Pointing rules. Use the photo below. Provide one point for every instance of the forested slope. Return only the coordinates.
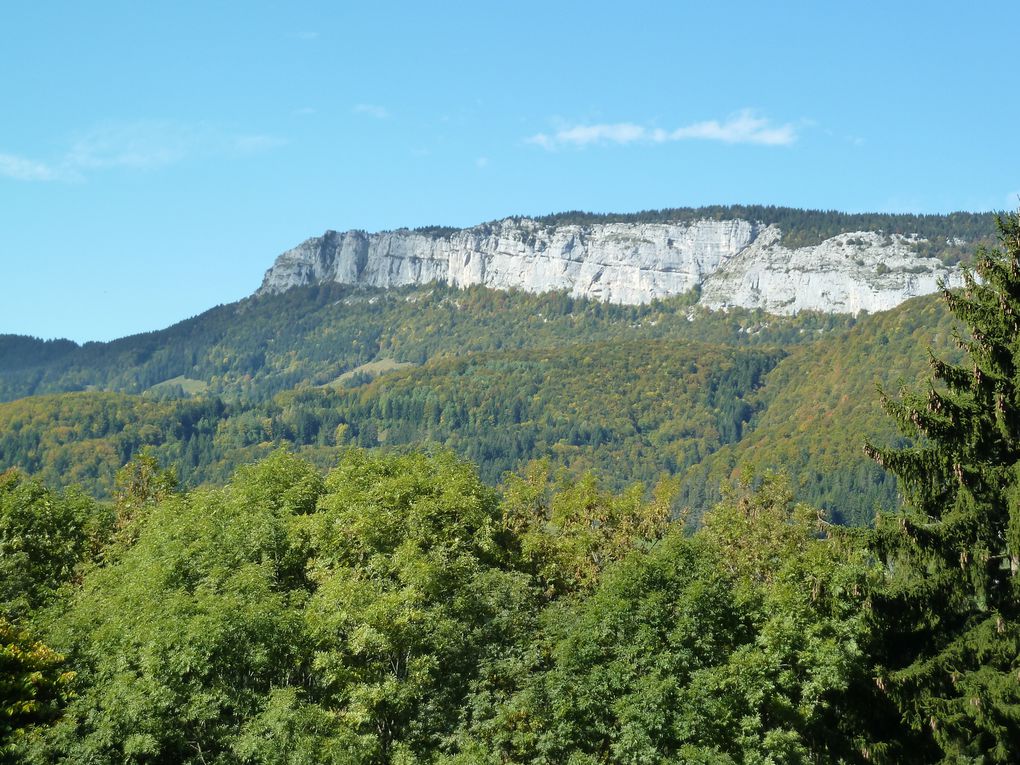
(250, 350)
(820, 403)
(638, 401)
(631, 409)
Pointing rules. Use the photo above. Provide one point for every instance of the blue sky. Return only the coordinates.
(155, 158)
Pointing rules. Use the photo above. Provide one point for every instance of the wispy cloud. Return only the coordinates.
(743, 127)
(136, 145)
(140, 145)
(22, 169)
(372, 110)
(482, 162)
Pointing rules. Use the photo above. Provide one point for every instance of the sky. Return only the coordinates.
(156, 157)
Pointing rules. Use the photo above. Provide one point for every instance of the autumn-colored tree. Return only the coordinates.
(33, 684)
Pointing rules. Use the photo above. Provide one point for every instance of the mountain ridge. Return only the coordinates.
(821, 261)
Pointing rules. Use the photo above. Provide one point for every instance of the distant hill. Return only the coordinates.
(251, 350)
(627, 393)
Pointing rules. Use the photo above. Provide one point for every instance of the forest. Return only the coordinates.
(400, 609)
(633, 394)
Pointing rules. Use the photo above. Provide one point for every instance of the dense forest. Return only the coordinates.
(630, 394)
(251, 350)
(399, 609)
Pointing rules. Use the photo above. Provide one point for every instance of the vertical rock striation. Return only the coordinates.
(733, 262)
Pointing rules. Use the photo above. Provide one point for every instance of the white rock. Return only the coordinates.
(734, 262)
(845, 274)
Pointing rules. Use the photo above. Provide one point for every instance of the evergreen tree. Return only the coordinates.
(948, 607)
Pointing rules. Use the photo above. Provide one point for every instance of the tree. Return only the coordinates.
(180, 638)
(568, 530)
(411, 595)
(948, 608)
(32, 687)
(139, 486)
(732, 645)
(45, 538)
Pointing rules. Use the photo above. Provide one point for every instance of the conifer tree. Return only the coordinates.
(948, 607)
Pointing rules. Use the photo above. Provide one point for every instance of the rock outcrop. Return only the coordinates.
(732, 262)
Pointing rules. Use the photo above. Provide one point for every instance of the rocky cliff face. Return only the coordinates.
(733, 262)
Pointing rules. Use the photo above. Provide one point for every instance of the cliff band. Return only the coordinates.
(732, 263)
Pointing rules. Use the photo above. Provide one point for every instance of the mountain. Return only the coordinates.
(503, 376)
(258, 347)
(729, 260)
(506, 376)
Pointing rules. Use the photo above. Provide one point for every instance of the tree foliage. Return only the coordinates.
(950, 606)
(33, 686)
(401, 611)
(626, 408)
(704, 649)
(45, 540)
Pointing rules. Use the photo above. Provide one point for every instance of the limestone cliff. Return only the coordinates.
(733, 263)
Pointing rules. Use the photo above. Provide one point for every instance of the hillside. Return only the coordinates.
(624, 391)
(506, 376)
(251, 350)
(820, 403)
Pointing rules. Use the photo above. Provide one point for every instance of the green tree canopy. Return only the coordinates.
(735, 645)
(45, 538)
(950, 607)
(33, 685)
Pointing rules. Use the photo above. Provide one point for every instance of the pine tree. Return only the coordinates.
(947, 609)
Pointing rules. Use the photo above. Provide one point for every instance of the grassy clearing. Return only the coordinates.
(191, 386)
(373, 368)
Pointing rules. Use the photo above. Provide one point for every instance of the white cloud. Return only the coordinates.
(21, 169)
(743, 127)
(372, 110)
(582, 135)
(141, 145)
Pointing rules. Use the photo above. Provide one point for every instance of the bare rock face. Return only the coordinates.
(845, 274)
(733, 262)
